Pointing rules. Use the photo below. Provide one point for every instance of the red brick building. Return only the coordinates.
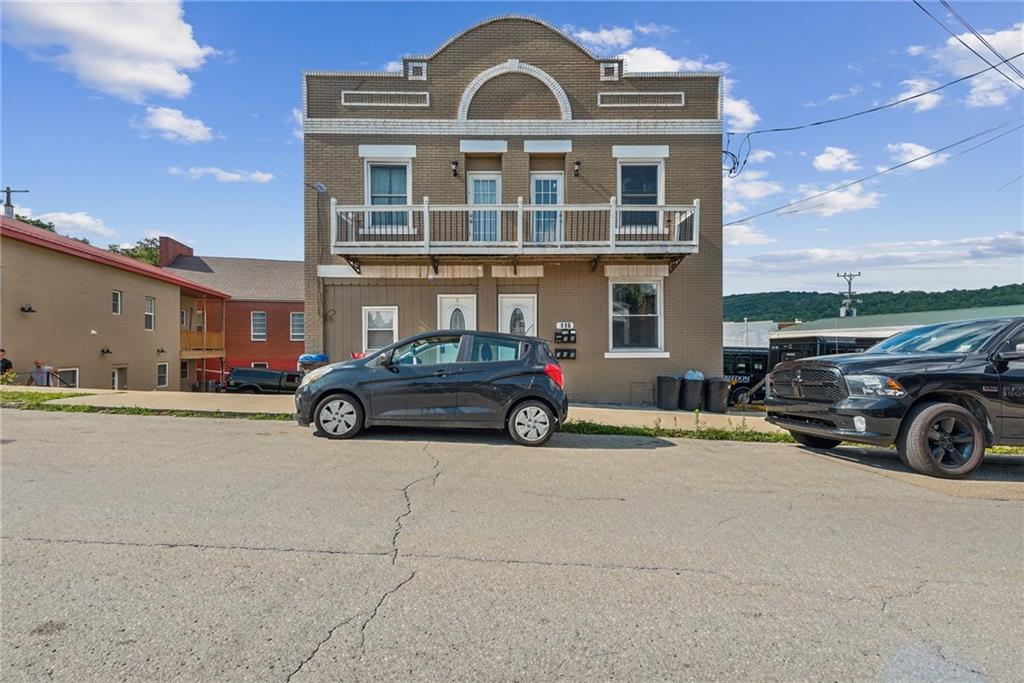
(264, 322)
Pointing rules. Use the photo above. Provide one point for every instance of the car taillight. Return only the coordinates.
(554, 371)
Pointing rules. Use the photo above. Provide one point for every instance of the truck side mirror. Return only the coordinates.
(1007, 356)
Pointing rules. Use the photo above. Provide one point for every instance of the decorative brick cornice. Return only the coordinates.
(492, 128)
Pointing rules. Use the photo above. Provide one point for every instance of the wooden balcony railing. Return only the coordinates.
(515, 228)
(199, 341)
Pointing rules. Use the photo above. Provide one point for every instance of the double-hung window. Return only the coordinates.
(640, 183)
(258, 326)
(636, 317)
(297, 328)
(161, 375)
(116, 298)
(149, 317)
(380, 327)
(388, 184)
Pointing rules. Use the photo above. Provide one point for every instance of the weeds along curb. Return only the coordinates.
(51, 408)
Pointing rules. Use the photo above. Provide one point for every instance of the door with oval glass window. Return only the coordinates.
(517, 314)
(456, 311)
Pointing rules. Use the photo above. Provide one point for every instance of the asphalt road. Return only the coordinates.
(153, 548)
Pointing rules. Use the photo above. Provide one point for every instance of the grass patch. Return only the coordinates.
(33, 397)
(704, 433)
(60, 408)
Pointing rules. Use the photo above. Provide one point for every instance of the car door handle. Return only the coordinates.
(441, 373)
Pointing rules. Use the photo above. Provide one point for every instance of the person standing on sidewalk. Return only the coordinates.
(42, 375)
(5, 362)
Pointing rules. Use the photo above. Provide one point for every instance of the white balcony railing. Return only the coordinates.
(515, 228)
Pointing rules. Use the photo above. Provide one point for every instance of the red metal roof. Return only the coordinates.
(30, 234)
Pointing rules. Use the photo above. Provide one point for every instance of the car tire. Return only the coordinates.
(338, 416)
(531, 423)
(812, 441)
(942, 440)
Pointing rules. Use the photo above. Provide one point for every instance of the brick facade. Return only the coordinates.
(571, 288)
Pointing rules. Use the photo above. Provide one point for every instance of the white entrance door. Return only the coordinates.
(517, 314)
(456, 311)
(547, 188)
(484, 188)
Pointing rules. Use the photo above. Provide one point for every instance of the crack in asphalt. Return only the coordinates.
(376, 608)
(399, 522)
(330, 634)
(199, 546)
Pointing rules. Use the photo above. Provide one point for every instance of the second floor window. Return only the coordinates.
(115, 302)
(149, 318)
(298, 326)
(258, 326)
(639, 183)
(200, 320)
(388, 184)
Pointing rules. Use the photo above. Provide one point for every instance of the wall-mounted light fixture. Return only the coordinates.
(455, 168)
(105, 350)
(27, 308)
(576, 167)
(161, 350)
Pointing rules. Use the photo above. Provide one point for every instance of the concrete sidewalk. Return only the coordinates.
(617, 416)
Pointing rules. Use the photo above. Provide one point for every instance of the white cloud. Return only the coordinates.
(905, 151)
(836, 159)
(653, 29)
(854, 198)
(915, 50)
(733, 207)
(220, 175)
(71, 223)
(602, 38)
(853, 90)
(127, 49)
(750, 186)
(989, 89)
(914, 86)
(297, 121)
(760, 155)
(744, 236)
(172, 124)
(394, 66)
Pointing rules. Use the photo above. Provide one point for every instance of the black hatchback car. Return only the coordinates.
(448, 378)
(940, 393)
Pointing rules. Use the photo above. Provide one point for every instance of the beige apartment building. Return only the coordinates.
(513, 181)
(101, 320)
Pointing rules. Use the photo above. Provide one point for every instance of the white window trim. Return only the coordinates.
(640, 151)
(409, 74)
(78, 375)
(394, 326)
(291, 326)
(483, 146)
(551, 175)
(440, 306)
(167, 376)
(346, 103)
(146, 314)
(613, 77)
(259, 365)
(387, 152)
(368, 229)
(547, 146)
(266, 325)
(659, 352)
(680, 103)
(120, 302)
(483, 175)
(641, 229)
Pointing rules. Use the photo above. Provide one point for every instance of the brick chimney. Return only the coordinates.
(171, 249)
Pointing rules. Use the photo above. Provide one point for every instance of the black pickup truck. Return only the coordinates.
(262, 381)
(940, 393)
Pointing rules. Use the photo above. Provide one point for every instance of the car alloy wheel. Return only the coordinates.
(338, 417)
(950, 442)
(532, 423)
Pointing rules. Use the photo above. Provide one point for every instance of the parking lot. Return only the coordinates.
(153, 548)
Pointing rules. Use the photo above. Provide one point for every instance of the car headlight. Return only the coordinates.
(314, 375)
(874, 385)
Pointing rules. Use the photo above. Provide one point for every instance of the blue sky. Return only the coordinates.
(128, 121)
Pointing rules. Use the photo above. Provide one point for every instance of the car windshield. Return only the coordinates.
(960, 337)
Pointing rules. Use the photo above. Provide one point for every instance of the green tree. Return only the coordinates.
(146, 250)
(46, 225)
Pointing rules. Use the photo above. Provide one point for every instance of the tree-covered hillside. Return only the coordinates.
(786, 306)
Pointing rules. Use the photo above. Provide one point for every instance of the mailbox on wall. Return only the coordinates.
(565, 333)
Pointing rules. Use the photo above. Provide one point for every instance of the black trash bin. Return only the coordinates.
(716, 394)
(668, 392)
(692, 395)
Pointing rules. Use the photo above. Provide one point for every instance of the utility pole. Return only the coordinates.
(8, 205)
(848, 310)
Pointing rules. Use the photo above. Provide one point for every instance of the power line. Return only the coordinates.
(961, 41)
(984, 41)
(745, 145)
(891, 169)
(1003, 187)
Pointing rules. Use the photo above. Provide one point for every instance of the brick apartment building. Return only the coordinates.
(264, 321)
(495, 184)
(101, 320)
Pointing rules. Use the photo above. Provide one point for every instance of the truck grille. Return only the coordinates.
(819, 385)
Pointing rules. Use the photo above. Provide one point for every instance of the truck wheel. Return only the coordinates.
(741, 396)
(942, 440)
(815, 441)
(339, 417)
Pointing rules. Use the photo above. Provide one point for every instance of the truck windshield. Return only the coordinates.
(959, 337)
